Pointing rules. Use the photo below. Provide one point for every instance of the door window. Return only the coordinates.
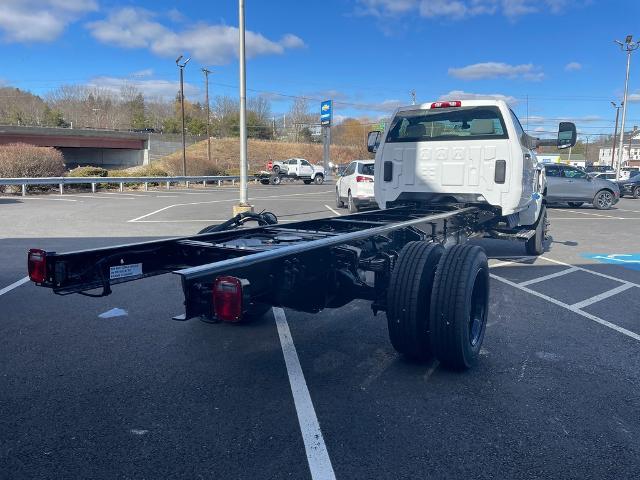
(350, 170)
(573, 173)
(304, 163)
(552, 171)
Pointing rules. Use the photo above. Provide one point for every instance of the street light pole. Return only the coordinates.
(629, 46)
(615, 133)
(184, 146)
(244, 191)
(206, 95)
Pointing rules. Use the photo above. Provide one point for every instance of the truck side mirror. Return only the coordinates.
(567, 135)
(373, 141)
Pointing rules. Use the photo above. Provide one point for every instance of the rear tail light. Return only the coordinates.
(37, 264)
(455, 103)
(360, 179)
(228, 299)
(269, 165)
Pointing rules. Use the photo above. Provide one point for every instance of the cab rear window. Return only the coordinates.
(441, 124)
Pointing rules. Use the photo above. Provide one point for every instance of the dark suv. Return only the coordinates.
(630, 186)
(567, 184)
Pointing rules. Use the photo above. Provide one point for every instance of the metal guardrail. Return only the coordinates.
(94, 181)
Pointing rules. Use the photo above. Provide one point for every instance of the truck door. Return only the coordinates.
(305, 169)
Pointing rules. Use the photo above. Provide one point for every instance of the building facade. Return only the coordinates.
(631, 151)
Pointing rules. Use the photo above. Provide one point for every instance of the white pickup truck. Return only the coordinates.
(297, 169)
(470, 152)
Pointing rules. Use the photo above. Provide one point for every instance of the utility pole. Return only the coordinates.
(615, 133)
(629, 46)
(184, 146)
(206, 96)
(413, 97)
(243, 206)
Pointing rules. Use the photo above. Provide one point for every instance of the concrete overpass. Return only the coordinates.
(101, 148)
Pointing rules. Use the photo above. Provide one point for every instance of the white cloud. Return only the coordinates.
(459, 9)
(212, 44)
(462, 95)
(147, 72)
(40, 20)
(573, 67)
(150, 88)
(480, 71)
(633, 97)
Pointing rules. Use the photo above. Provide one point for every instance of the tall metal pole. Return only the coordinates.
(629, 46)
(206, 96)
(184, 145)
(615, 133)
(244, 191)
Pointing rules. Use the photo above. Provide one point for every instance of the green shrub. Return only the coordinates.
(88, 172)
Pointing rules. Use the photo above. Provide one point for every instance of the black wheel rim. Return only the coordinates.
(478, 311)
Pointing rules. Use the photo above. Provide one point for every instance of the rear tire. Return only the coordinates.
(575, 204)
(603, 200)
(409, 299)
(636, 192)
(275, 180)
(459, 306)
(339, 202)
(535, 245)
(318, 180)
(276, 169)
(351, 204)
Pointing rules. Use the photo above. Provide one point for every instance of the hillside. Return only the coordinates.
(225, 155)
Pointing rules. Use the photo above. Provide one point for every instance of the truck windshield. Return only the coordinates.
(466, 123)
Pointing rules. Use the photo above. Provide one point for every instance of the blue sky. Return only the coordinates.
(365, 54)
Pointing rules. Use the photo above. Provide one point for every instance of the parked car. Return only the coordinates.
(630, 186)
(604, 175)
(567, 184)
(628, 172)
(355, 186)
(599, 169)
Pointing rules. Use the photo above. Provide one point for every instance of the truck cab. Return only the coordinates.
(466, 152)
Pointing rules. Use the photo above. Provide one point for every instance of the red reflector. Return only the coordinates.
(269, 165)
(364, 179)
(455, 103)
(227, 299)
(37, 264)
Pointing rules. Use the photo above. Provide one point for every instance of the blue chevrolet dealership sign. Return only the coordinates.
(326, 112)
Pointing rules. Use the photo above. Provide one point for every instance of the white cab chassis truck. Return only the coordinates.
(471, 152)
(445, 172)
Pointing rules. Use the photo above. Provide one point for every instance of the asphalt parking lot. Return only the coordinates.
(137, 395)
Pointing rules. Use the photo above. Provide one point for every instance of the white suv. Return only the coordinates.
(355, 186)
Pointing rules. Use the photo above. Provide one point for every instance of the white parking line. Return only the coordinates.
(548, 277)
(571, 308)
(100, 197)
(589, 213)
(39, 198)
(334, 211)
(133, 220)
(7, 289)
(315, 448)
(602, 296)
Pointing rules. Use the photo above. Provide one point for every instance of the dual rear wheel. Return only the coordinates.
(437, 303)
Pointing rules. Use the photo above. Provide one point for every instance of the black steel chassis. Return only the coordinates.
(306, 266)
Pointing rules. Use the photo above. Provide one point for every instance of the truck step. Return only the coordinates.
(520, 235)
